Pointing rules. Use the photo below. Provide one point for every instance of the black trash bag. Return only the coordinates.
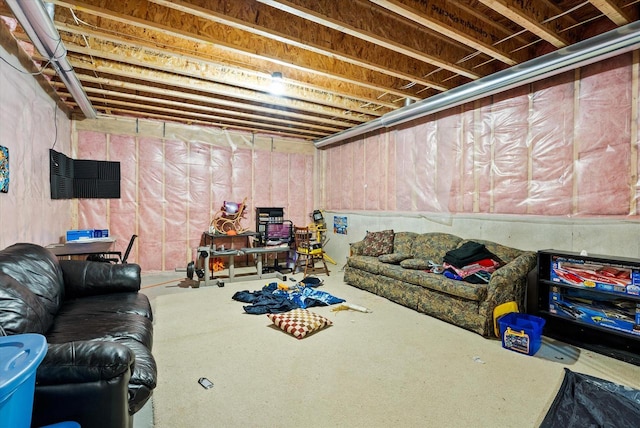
(586, 401)
(312, 281)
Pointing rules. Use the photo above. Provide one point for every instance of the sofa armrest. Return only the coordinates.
(84, 278)
(85, 361)
(356, 248)
(509, 282)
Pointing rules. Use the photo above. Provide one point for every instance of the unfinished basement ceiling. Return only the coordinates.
(343, 62)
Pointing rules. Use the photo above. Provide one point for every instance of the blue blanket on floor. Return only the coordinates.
(271, 300)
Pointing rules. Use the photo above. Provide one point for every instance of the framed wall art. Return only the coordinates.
(4, 169)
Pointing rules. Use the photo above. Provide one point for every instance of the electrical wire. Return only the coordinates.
(41, 71)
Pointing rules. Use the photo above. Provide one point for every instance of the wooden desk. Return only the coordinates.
(82, 248)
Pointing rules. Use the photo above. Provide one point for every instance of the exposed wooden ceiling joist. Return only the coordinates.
(209, 62)
(613, 11)
(534, 17)
(227, 76)
(266, 22)
(362, 21)
(455, 23)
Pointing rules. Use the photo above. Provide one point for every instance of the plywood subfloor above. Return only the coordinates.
(210, 62)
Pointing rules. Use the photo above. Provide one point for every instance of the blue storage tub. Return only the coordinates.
(521, 332)
(20, 356)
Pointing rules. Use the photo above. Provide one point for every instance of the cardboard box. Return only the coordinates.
(100, 233)
(82, 234)
(77, 235)
(600, 276)
(597, 310)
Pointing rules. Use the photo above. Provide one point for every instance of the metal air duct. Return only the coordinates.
(38, 25)
(598, 48)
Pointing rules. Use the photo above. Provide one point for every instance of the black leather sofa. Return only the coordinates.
(98, 370)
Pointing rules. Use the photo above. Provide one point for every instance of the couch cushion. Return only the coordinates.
(377, 243)
(365, 263)
(401, 274)
(37, 269)
(403, 242)
(116, 303)
(466, 290)
(415, 263)
(20, 310)
(437, 282)
(434, 245)
(393, 258)
(74, 323)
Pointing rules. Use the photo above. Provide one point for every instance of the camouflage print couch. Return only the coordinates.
(395, 267)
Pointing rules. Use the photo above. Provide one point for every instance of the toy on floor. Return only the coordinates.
(350, 306)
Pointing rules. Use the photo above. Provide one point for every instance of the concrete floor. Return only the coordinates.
(154, 285)
(163, 283)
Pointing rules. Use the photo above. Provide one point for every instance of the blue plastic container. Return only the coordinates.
(521, 332)
(64, 425)
(20, 356)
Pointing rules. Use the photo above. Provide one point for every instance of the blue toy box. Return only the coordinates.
(521, 332)
(20, 356)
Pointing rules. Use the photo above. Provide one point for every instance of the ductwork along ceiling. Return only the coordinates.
(343, 63)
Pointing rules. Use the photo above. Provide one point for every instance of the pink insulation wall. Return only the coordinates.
(30, 125)
(564, 146)
(171, 187)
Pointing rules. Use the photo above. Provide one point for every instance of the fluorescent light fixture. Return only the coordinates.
(277, 84)
(38, 25)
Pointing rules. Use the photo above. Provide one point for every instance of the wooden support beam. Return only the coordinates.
(279, 26)
(531, 17)
(143, 100)
(153, 19)
(229, 77)
(454, 22)
(363, 21)
(197, 90)
(192, 121)
(612, 11)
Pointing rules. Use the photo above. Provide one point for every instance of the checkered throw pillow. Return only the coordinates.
(299, 322)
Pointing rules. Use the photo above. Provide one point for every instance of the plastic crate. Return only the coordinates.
(521, 332)
(20, 356)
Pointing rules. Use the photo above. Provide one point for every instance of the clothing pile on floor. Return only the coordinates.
(274, 298)
(471, 262)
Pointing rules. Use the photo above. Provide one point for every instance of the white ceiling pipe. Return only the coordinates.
(598, 48)
(38, 25)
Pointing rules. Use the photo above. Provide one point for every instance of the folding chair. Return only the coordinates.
(104, 257)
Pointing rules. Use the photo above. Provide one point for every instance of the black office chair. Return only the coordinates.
(105, 257)
(124, 258)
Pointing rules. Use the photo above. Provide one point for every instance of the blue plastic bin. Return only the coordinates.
(20, 356)
(521, 332)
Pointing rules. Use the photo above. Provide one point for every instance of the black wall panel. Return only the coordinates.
(79, 178)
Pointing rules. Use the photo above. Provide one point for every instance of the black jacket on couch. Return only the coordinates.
(98, 370)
